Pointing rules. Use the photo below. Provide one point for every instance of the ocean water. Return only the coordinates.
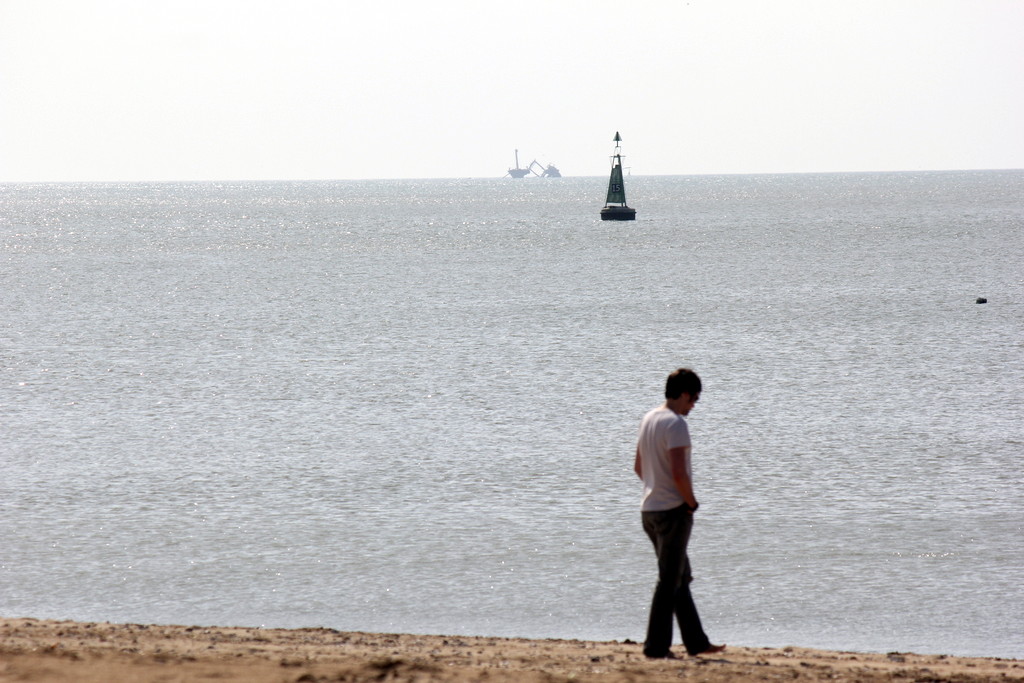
(411, 405)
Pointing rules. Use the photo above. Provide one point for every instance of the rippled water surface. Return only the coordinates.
(411, 405)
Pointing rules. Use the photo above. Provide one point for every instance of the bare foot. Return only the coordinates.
(712, 650)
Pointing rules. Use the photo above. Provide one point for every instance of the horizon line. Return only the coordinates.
(504, 177)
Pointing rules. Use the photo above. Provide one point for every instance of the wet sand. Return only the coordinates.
(39, 650)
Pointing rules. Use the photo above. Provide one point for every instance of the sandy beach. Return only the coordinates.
(39, 650)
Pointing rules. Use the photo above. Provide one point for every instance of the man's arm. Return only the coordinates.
(678, 457)
(638, 465)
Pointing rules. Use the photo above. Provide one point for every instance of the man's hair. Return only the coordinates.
(682, 381)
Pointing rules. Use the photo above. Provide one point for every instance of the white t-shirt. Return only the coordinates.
(661, 430)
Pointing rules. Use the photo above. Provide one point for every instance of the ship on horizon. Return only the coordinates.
(549, 171)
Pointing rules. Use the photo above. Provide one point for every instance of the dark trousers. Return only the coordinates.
(669, 531)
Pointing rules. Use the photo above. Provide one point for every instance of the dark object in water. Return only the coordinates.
(981, 300)
(615, 208)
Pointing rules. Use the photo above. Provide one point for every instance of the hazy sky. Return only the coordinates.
(309, 89)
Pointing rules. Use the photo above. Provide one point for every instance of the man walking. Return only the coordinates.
(663, 463)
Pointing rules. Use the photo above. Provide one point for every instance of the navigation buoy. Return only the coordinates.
(615, 208)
